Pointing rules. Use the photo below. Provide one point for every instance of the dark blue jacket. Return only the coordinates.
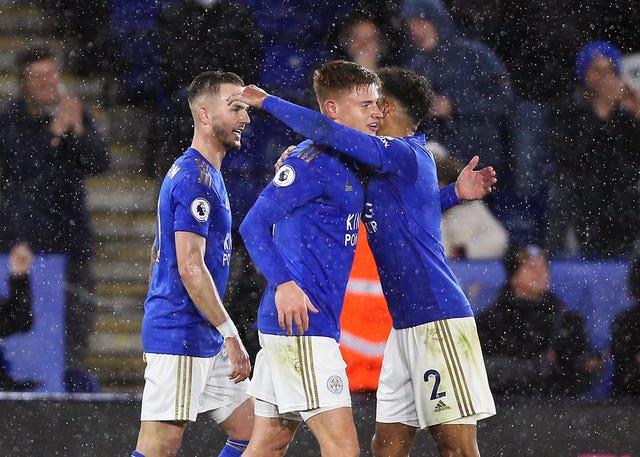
(476, 82)
(42, 194)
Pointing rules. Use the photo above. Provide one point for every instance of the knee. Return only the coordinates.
(378, 446)
(340, 449)
(390, 447)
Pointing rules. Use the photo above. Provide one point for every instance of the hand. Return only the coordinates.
(240, 364)
(68, 118)
(20, 259)
(630, 100)
(475, 184)
(293, 306)
(251, 95)
(287, 152)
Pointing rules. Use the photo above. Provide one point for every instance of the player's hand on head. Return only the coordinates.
(285, 154)
(239, 358)
(293, 307)
(474, 184)
(251, 95)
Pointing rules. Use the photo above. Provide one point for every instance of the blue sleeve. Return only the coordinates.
(296, 183)
(193, 205)
(448, 197)
(379, 152)
(256, 233)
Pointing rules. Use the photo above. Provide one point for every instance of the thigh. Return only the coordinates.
(300, 373)
(160, 438)
(335, 432)
(271, 437)
(455, 439)
(221, 395)
(395, 401)
(393, 440)
(239, 424)
(448, 373)
(173, 387)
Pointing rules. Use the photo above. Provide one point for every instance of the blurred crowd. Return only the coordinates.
(536, 89)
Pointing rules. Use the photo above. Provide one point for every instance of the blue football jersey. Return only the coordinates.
(315, 203)
(193, 199)
(403, 218)
(403, 215)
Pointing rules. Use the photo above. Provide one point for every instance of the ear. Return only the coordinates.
(202, 115)
(330, 109)
(387, 105)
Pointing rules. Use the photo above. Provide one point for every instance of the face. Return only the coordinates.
(363, 39)
(423, 33)
(532, 277)
(226, 122)
(358, 109)
(601, 72)
(41, 83)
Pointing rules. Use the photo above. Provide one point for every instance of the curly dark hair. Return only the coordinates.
(411, 90)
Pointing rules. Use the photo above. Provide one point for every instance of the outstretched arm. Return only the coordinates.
(366, 149)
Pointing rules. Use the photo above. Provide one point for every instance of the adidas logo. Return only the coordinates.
(441, 406)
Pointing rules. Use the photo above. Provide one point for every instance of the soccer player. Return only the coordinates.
(315, 202)
(195, 359)
(433, 374)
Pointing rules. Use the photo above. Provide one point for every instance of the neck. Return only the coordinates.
(210, 150)
(398, 130)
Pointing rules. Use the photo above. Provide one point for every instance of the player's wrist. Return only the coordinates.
(227, 329)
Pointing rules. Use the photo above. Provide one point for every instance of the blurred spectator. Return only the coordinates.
(625, 340)
(48, 144)
(469, 230)
(537, 41)
(361, 38)
(16, 310)
(533, 344)
(471, 84)
(596, 146)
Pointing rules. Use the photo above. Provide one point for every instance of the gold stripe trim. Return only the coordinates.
(448, 362)
(177, 394)
(313, 156)
(308, 150)
(464, 385)
(190, 383)
(303, 370)
(314, 381)
(184, 386)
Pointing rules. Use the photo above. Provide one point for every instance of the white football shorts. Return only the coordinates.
(179, 387)
(296, 377)
(434, 374)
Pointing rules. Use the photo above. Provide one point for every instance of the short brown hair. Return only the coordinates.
(209, 82)
(340, 76)
(31, 54)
